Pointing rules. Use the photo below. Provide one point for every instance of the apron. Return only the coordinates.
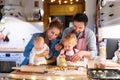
(67, 56)
(81, 44)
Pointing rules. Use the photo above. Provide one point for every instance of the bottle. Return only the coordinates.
(102, 54)
(62, 61)
(40, 17)
(102, 50)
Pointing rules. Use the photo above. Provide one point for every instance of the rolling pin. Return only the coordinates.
(26, 68)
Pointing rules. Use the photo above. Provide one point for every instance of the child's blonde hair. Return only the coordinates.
(70, 39)
(38, 39)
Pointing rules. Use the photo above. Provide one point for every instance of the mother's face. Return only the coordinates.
(53, 33)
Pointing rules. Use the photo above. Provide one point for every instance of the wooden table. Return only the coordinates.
(80, 74)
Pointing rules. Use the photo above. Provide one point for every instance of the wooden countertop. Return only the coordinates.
(79, 74)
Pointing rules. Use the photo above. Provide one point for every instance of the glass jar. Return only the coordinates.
(102, 50)
(62, 61)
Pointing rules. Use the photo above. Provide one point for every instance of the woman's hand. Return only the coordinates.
(51, 60)
(58, 47)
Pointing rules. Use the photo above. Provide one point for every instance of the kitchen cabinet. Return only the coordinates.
(33, 10)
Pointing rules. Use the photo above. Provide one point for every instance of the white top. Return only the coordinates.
(69, 53)
(40, 60)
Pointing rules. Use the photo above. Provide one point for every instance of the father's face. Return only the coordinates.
(78, 26)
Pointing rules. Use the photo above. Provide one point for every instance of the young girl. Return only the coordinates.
(41, 49)
(69, 42)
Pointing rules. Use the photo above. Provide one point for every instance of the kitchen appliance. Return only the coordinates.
(6, 66)
(9, 60)
(12, 56)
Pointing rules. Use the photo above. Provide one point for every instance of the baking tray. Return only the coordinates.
(103, 74)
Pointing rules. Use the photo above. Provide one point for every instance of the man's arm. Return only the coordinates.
(91, 44)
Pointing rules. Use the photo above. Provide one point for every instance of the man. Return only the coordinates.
(86, 38)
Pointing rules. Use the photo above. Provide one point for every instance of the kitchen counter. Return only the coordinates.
(15, 50)
(36, 76)
(51, 75)
(77, 74)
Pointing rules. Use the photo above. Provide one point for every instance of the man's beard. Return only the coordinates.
(77, 34)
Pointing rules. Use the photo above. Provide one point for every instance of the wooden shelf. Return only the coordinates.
(34, 21)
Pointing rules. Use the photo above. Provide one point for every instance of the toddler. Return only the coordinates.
(69, 42)
(39, 52)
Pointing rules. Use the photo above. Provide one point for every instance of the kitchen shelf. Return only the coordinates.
(34, 21)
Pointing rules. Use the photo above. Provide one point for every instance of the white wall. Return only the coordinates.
(19, 32)
(111, 24)
(91, 12)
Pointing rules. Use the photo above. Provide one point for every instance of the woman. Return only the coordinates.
(50, 36)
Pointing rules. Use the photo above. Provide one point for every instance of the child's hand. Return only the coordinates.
(37, 55)
(46, 53)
